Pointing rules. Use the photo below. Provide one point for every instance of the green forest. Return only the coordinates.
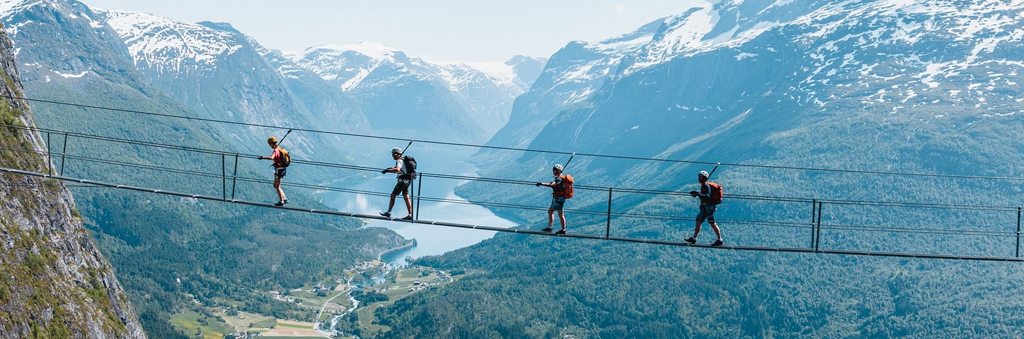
(542, 287)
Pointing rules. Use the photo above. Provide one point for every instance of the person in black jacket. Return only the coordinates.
(707, 210)
(402, 186)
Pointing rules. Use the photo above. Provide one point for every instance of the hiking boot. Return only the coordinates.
(408, 217)
(385, 214)
(279, 203)
(560, 232)
(546, 229)
(717, 243)
(691, 240)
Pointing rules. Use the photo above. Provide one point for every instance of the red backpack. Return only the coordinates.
(716, 193)
(567, 190)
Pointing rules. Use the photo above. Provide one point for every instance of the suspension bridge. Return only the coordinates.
(57, 161)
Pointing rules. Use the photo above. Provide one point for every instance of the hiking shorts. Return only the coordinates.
(402, 187)
(280, 172)
(557, 203)
(706, 212)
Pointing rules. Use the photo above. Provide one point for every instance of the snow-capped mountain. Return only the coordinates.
(400, 92)
(222, 73)
(569, 78)
(895, 85)
(32, 25)
(170, 47)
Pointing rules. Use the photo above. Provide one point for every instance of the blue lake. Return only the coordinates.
(430, 240)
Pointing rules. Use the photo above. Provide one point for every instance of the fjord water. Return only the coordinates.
(430, 240)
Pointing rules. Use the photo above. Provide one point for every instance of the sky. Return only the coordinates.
(440, 30)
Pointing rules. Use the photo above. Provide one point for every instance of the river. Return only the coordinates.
(430, 240)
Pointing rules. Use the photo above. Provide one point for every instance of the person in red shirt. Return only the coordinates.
(280, 169)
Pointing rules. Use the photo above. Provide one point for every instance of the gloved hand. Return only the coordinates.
(384, 171)
(537, 184)
(694, 193)
(261, 157)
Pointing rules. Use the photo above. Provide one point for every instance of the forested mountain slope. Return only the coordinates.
(886, 86)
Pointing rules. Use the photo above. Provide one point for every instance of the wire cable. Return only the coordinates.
(530, 183)
(606, 156)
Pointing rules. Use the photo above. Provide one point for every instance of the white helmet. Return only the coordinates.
(396, 150)
(558, 167)
(703, 174)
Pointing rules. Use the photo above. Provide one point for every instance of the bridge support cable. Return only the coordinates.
(508, 230)
(605, 156)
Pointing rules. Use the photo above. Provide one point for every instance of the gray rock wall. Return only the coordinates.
(54, 282)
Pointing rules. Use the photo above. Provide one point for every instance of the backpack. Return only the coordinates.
(716, 193)
(285, 158)
(567, 190)
(409, 166)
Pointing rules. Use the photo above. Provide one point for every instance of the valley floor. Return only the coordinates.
(327, 300)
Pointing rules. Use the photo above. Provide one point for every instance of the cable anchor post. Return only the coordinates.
(608, 218)
(817, 238)
(49, 157)
(223, 177)
(234, 177)
(63, 153)
(1018, 231)
(419, 192)
(814, 224)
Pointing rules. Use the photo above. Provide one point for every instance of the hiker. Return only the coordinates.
(561, 189)
(281, 162)
(405, 177)
(710, 196)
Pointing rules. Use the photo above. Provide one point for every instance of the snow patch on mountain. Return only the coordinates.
(66, 76)
(7, 7)
(169, 46)
(370, 49)
(685, 32)
(349, 64)
(499, 72)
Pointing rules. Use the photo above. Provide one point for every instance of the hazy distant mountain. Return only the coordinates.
(398, 92)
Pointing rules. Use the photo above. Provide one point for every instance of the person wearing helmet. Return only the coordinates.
(708, 204)
(402, 187)
(280, 169)
(557, 198)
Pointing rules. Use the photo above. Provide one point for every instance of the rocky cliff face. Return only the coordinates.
(54, 283)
